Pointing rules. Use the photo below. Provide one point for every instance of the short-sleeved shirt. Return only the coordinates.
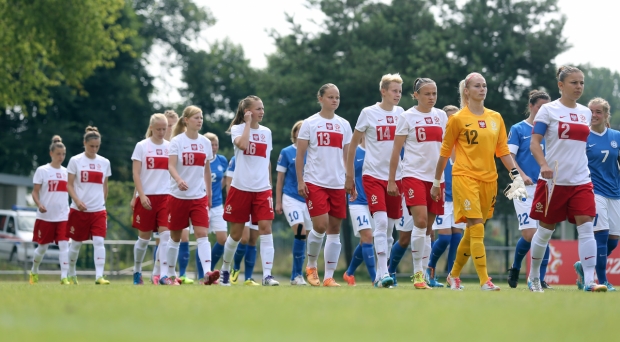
(192, 156)
(154, 173)
(286, 165)
(324, 159)
(519, 143)
(218, 169)
(90, 174)
(476, 139)
(53, 194)
(379, 127)
(230, 171)
(447, 176)
(252, 164)
(602, 152)
(566, 136)
(424, 132)
(358, 163)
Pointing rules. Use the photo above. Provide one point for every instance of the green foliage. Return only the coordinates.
(602, 82)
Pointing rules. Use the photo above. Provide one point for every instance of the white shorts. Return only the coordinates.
(607, 215)
(216, 220)
(446, 221)
(524, 207)
(360, 218)
(252, 226)
(296, 212)
(405, 224)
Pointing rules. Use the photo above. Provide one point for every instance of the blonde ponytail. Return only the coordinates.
(154, 118)
(181, 125)
(464, 98)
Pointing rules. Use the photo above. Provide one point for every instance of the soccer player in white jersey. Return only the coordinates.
(190, 192)
(293, 206)
(564, 189)
(250, 192)
(52, 200)
(151, 177)
(378, 124)
(519, 145)
(420, 129)
(88, 187)
(325, 137)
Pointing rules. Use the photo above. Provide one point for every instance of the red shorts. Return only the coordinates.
(181, 211)
(47, 232)
(242, 205)
(326, 201)
(418, 192)
(149, 220)
(566, 202)
(83, 226)
(378, 198)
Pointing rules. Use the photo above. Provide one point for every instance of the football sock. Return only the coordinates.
(266, 253)
(315, 240)
(249, 261)
(611, 245)
(39, 253)
(331, 254)
(442, 242)
(380, 240)
(358, 258)
(74, 251)
(162, 253)
(172, 254)
(601, 237)
(478, 252)
(63, 258)
(390, 238)
(216, 254)
(522, 248)
(397, 254)
(544, 263)
(299, 254)
(454, 244)
(418, 237)
(184, 257)
(204, 253)
(139, 251)
(156, 262)
(463, 252)
(99, 256)
(368, 253)
(239, 254)
(539, 244)
(230, 250)
(428, 246)
(587, 251)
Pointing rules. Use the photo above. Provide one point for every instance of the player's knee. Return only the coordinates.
(476, 231)
(63, 246)
(381, 222)
(97, 241)
(404, 240)
(43, 248)
(300, 235)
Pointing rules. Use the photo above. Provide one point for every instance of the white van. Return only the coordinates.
(16, 230)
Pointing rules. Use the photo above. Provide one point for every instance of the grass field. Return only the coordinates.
(123, 312)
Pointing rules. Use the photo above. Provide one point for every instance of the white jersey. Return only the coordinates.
(326, 140)
(53, 194)
(565, 139)
(424, 133)
(90, 175)
(192, 156)
(380, 128)
(154, 173)
(252, 165)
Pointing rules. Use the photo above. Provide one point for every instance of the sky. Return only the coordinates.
(247, 22)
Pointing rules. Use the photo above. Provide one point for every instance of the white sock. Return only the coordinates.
(540, 240)
(162, 254)
(38, 255)
(99, 256)
(380, 241)
(390, 239)
(74, 252)
(230, 247)
(315, 240)
(587, 251)
(331, 254)
(204, 253)
(427, 252)
(418, 237)
(266, 253)
(172, 254)
(63, 258)
(139, 250)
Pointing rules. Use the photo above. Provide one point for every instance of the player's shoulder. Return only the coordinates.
(222, 159)
(289, 149)
(439, 112)
(102, 159)
(77, 157)
(493, 113)
(264, 128)
(143, 142)
(341, 119)
(312, 119)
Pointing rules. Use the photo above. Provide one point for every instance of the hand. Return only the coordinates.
(182, 185)
(81, 206)
(146, 203)
(435, 193)
(392, 189)
(210, 202)
(132, 203)
(527, 180)
(42, 209)
(516, 189)
(247, 117)
(302, 189)
(279, 208)
(546, 172)
(349, 187)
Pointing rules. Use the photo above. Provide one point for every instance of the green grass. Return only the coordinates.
(123, 312)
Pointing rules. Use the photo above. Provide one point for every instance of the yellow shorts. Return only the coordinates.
(473, 198)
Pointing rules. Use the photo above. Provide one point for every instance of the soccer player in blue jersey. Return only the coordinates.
(289, 202)
(362, 223)
(519, 145)
(602, 151)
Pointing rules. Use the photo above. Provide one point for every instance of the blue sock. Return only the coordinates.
(216, 254)
(183, 259)
(522, 248)
(397, 253)
(299, 254)
(543, 265)
(199, 270)
(250, 261)
(611, 245)
(454, 244)
(239, 254)
(601, 237)
(442, 242)
(358, 258)
(369, 257)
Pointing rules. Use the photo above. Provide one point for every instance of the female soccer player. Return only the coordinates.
(250, 192)
(602, 154)
(88, 188)
(292, 205)
(325, 136)
(151, 177)
(477, 133)
(519, 145)
(564, 189)
(378, 124)
(190, 192)
(52, 200)
(420, 130)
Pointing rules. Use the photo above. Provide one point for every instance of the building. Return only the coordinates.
(14, 190)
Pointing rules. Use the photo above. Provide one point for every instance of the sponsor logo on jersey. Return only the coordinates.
(220, 168)
(98, 166)
(428, 120)
(582, 118)
(573, 117)
(137, 218)
(255, 137)
(410, 193)
(329, 126)
(92, 166)
(201, 147)
(310, 205)
(165, 151)
(373, 198)
(494, 125)
(482, 124)
(194, 147)
(539, 207)
(390, 119)
(337, 127)
(436, 118)
(228, 209)
(467, 205)
(614, 144)
(262, 138)
(159, 152)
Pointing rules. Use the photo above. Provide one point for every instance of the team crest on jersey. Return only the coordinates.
(573, 117)
(202, 148)
(582, 118)
(410, 193)
(329, 126)
(220, 168)
(373, 198)
(99, 167)
(255, 137)
(482, 124)
(429, 121)
(310, 205)
(494, 125)
(337, 127)
(228, 209)
(262, 137)
(390, 119)
(165, 151)
(539, 207)
(614, 144)
(159, 152)
(92, 166)
(58, 175)
(467, 205)
(436, 119)
(194, 147)
(138, 219)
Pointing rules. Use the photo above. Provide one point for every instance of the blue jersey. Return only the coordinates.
(602, 152)
(218, 169)
(286, 164)
(358, 163)
(231, 167)
(519, 143)
(447, 175)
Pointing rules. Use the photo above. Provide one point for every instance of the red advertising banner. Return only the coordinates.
(563, 255)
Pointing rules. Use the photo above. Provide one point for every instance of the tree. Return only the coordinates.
(602, 82)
